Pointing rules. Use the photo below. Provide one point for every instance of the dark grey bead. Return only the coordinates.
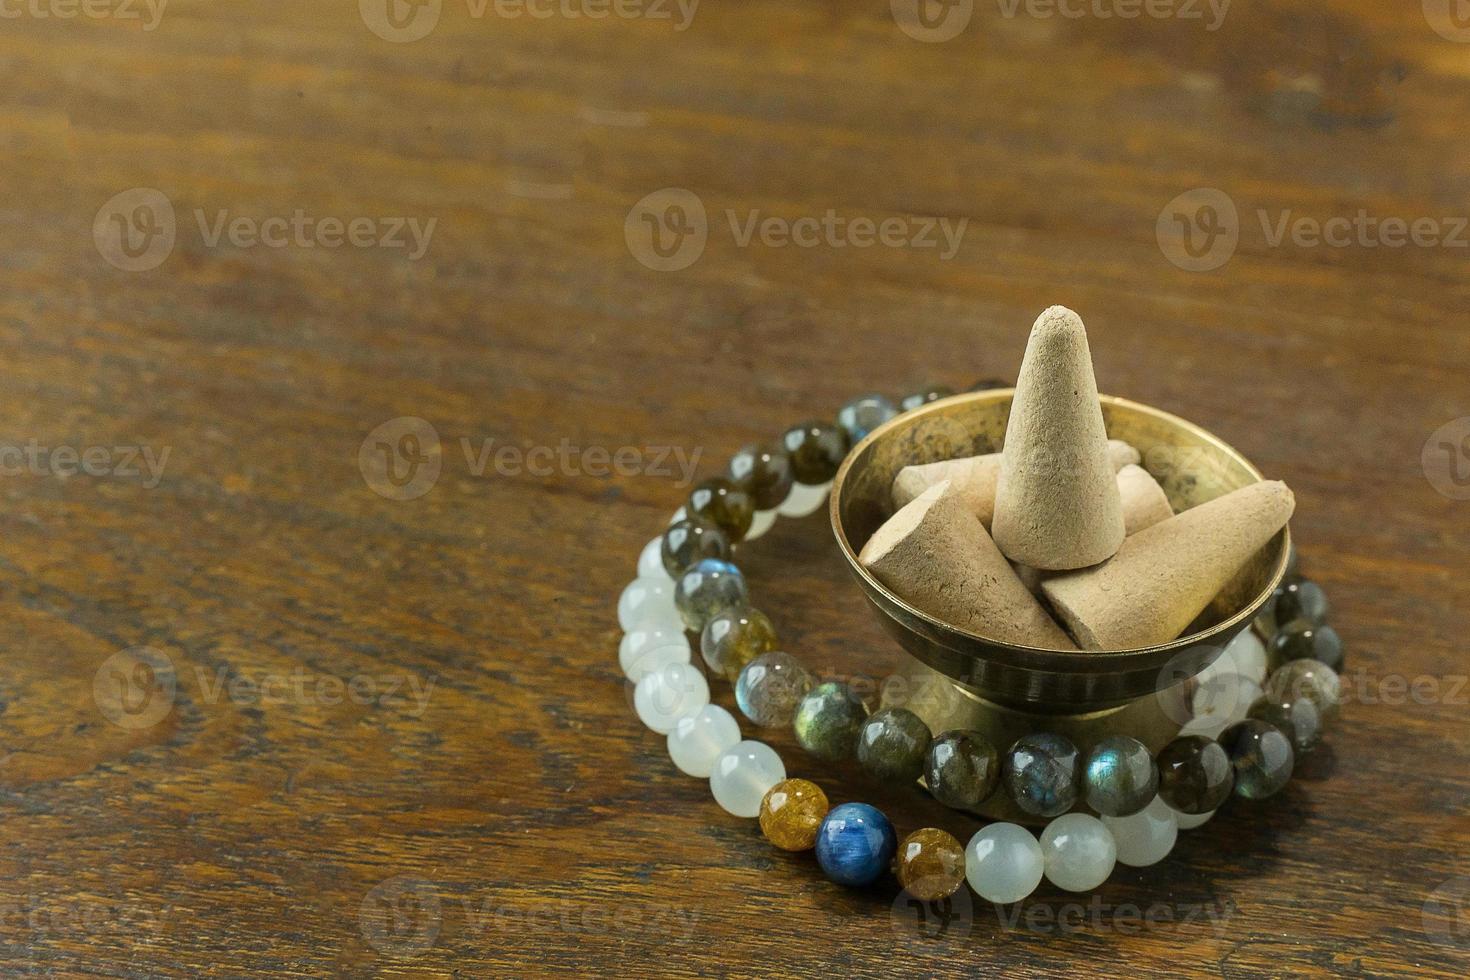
(1120, 776)
(1043, 773)
(706, 588)
(1299, 717)
(862, 415)
(962, 769)
(1301, 639)
(686, 542)
(1195, 774)
(915, 399)
(892, 744)
(828, 720)
(1301, 600)
(1261, 755)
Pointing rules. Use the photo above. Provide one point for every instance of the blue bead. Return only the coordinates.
(855, 844)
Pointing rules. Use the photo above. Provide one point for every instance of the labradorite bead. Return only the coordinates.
(828, 720)
(707, 587)
(892, 744)
(855, 844)
(862, 415)
(1261, 755)
(719, 501)
(816, 450)
(770, 687)
(1301, 639)
(930, 864)
(734, 637)
(1120, 776)
(1300, 599)
(764, 472)
(687, 541)
(1043, 773)
(1308, 679)
(1298, 717)
(1195, 774)
(961, 769)
(792, 813)
(924, 397)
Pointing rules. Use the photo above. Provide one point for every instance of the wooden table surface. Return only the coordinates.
(264, 710)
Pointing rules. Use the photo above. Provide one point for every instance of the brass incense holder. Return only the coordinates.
(960, 680)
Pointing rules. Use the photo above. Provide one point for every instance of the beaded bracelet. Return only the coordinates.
(1244, 738)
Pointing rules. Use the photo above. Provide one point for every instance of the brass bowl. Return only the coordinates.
(1192, 465)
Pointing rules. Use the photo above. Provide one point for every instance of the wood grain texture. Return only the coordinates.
(519, 821)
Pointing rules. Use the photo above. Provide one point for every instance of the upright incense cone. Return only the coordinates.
(1056, 501)
(1144, 501)
(935, 555)
(973, 478)
(1165, 575)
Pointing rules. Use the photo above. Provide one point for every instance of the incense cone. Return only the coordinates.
(1144, 501)
(935, 555)
(1056, 501)
(1165, 575)
(973, 478)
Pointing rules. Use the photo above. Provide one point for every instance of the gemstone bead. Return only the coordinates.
(1261, 755)
(1301, 600)
(990, 384)
(651, 560)
(1297, 717)
(924, 396)
(1210, 726)
(816, 450)
(892, 745)
(1189, 821)
(687, 541)
(742, 776)
(648, 648)
(1078, 852)
(1043, 773)
(1004, 863)
(1145, 837)
(961, 769)
(733, 638)
(1195, 774)
(791, 814)
(1120, 776)
(1300, 639)
(719, 501)
(1228, 696)
(707, 587)
(697, 740)
(828, 720)
(930, 864)
(862, 415)
(1244, 656)
(804, 500)
(770, 687)
(1308, 679)
(762, 522)
(763, 472)
(855, 844)
(647, 602)
(665, 695)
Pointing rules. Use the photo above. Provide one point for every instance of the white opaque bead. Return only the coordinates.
(1189, 821)
(1146, 837)
(665, 695)
(699, 739)
(651, 560)
(1003, 863)
(1248, 654)
(647, 601)
(760, 524)
(1227, 696)
(1078, 852)
(1210, 726)
(803, 499)
(679, 515)
(646, 650)
(743, 774)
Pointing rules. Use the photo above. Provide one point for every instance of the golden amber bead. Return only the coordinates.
(792, 812)
(930, 864)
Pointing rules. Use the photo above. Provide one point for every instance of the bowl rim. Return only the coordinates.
(1046, 658)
